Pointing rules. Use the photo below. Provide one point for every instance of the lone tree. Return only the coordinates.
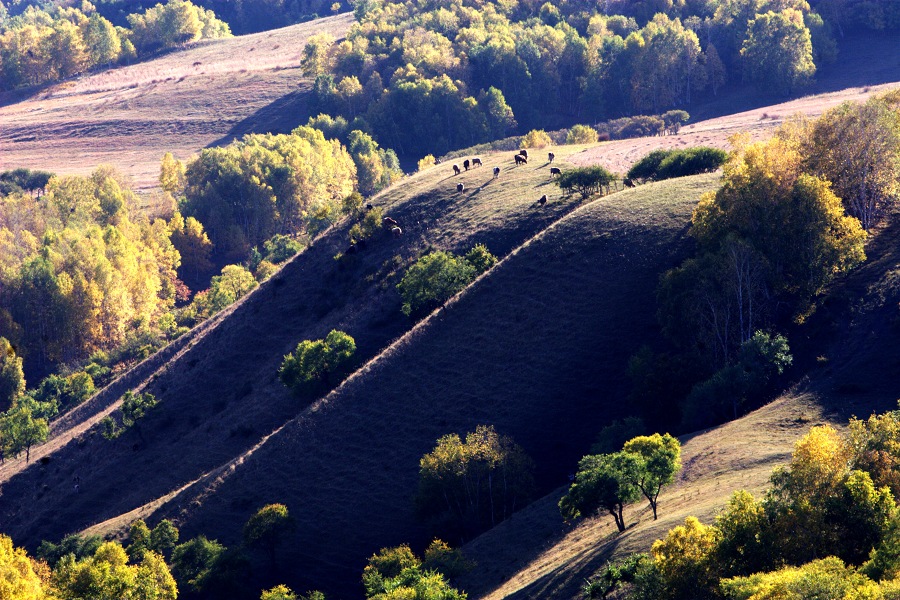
(661, 460)
(587, 181)
(315, 360)
(12, 378)
(267, 528)
(610, 481)
(603, 482)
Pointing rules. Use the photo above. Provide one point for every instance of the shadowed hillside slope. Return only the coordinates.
(219, 392)
(537, 348)
(847, 356)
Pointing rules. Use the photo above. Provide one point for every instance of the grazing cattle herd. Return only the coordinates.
(520, 158)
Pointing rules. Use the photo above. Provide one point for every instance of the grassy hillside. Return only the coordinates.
(537, 343)
(845, 355)
(179, 102)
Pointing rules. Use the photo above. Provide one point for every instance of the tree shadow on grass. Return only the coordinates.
(283, 115)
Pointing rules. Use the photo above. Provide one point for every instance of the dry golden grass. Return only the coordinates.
(179, 102)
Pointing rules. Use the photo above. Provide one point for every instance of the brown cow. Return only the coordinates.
(389, 222)
(521, 160)
(456, 170)
(466, 164)
(476, 162)
(550, 157)
(543, 200)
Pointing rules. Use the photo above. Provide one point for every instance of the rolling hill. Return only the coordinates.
(533, 347)
(536, 347)
(179, 102)
(846, 357)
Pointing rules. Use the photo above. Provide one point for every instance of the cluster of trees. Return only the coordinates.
(40, 46)
(263, 185)
(152, 564)
(587, 181)
(666, 164)
(607, 482)
(399, 573)
(243, 16)
(376, 167)
(426, 79)
(82, 271)
(790, 217)
(829, 527)
(315, 361)
(438, 276)
(472, 484)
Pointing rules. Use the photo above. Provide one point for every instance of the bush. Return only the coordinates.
(279, 248)
(581, 134)
(316, 360)
(666, 164)
(438, 276)
(691, 161)
(536, 138)
(426, 162)
(367, 227)
(646, 168)
(587, 181)
(480, 258)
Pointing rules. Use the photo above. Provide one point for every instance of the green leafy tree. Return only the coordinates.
(138, 540)
(164, 537)
(194, 561)
(267, 529)
(135, 407)
(587, 181)
(661, 455)
(438, 276)
(20, 430)
(603, 482)
(777, 53)
(434, 279)
(317, 360)
(12, 378)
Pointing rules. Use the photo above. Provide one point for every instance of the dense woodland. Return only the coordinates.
(42, 46)
(427, 78)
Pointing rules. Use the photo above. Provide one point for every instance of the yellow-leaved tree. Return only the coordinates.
(18, 578)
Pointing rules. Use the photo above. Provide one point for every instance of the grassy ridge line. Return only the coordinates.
(532, 348)
(210, 481)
